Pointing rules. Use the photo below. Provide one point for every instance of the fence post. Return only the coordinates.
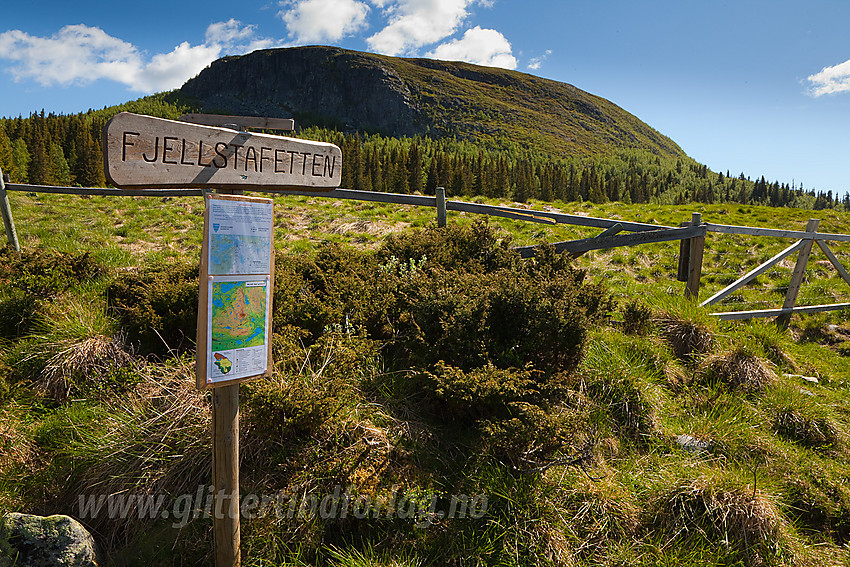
(797, 276)
(441, 206)
(684, 255)
(8, 221)
(696, 250)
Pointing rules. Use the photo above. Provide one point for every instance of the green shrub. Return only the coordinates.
(30, 277)
(18, 312)
(308, 393)
(637, 318)
(44, 273)
(477, 306)
(474, 248)
(158, 307)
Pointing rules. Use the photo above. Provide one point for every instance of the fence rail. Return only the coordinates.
(692, 236)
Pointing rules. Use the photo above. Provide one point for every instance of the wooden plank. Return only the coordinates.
(142, 151)
(370, 196)
(736, 315)
(632, 239)
(745, 279)
(835, 261)
(560, 218)
(504, 212)
(695, 260)
(258, 122)
(754, 231)
(611, 231)
(8, 219)
(797, 275)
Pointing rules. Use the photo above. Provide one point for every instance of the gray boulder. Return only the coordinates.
(52, 541)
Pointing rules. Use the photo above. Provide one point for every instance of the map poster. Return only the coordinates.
(240, 238)
(237, 327)
(235, 295)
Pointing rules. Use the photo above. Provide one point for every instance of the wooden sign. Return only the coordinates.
(234, 341)
(142, 151)
(259, 122)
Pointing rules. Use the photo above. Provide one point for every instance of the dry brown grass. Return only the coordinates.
(688, 339)
(155, 441)
(89, 359)
(745, 521)
(740, 370)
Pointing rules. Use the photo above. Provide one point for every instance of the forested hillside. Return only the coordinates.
(48, 149)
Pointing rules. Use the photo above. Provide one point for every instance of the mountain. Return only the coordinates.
(398, 97)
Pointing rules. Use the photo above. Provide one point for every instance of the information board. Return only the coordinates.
(235, 295)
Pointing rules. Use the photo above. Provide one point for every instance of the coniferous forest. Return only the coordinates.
(50, 149)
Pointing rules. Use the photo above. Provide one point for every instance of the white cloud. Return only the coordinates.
(170, 70)
(75, 54)
(414, 23)
(315, 21)
(537, 62)
(79, 55)
(830, 80)
(480, 46)
(235, 38)
(231, 32)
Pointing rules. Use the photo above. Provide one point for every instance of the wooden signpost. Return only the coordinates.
(237, 257)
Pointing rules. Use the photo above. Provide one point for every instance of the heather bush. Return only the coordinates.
(158, 307)
(28, 278)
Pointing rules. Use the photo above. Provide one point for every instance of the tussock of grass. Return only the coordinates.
(688, 339)
(745, 522)
(94, 358)
(740, 370)
(812, 432)
(154, 442)
(773, 341)
(595, 514)
(80, 347)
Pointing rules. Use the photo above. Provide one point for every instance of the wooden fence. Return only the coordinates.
(691, 235)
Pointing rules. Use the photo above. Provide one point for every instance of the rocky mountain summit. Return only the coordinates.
(350, 90)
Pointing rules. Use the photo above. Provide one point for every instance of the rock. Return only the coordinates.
(692, 444)
(343, 88)
(810, 379)
(52, 541)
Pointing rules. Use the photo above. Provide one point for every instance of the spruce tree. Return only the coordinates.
(5, 151)
(414, 169)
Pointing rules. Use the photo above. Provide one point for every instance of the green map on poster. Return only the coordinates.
(239, 254)
(238, 316)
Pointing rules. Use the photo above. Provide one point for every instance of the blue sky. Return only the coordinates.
(759, 87)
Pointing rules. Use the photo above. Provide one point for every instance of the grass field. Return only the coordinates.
(675, 438)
